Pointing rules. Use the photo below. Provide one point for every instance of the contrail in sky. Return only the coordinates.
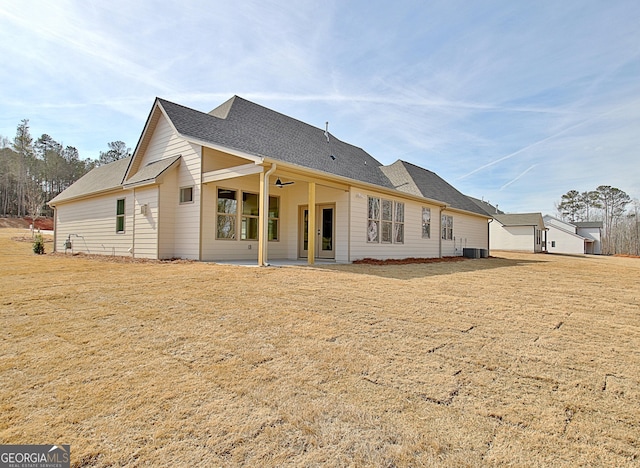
(512, 181)
(537, 143)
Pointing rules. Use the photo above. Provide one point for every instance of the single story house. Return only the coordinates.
(568, 238)
(244, 182)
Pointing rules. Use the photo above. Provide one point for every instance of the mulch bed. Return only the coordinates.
(406, 261)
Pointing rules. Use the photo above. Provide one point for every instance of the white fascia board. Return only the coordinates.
(85, 196)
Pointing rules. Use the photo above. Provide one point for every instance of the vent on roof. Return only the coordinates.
(326, 134)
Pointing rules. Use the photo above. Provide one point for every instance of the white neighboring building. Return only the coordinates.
(519, 232)
(570, 238)
(591, 230)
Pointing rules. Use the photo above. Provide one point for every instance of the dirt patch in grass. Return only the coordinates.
(525, 360)
(44, 224)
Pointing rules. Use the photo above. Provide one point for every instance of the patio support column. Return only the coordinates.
(311, 234)
(262, 248)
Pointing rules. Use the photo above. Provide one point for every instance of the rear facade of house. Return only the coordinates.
(246, 183)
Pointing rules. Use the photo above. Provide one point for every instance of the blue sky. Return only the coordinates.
(515, 102)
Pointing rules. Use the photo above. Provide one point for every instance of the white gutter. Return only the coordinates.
(265, 215)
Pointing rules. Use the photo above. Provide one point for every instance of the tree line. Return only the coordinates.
(34, 172)
(614, 208)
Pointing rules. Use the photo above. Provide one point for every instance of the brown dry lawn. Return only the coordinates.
(523, 360)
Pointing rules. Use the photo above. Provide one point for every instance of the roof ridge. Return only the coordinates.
(288, 117)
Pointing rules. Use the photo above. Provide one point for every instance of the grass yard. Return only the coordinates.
(523, 360)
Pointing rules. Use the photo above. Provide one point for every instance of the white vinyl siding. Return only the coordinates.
(145, 213)
(414, 244)
(91, 224)
(186, 220)
(565, 242)
(519, 238)
(468, 232)
(168, 205)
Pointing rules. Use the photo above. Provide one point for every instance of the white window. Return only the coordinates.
(447, 227)
(398, 223)
(385, 221)
(426, 223)
(186, 195)
(373, 225)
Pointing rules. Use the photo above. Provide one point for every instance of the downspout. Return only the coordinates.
(265, 216)
(489, 236)
(133, 230)
(442, 208)
(55, 229)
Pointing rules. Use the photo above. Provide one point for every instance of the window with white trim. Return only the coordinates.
(385, 221)
(398, 222)
(447, 227)
(373, 216)
(426, 223)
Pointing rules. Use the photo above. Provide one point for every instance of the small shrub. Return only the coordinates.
(38, 244)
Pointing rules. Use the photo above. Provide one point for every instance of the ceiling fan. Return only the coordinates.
(281, 184)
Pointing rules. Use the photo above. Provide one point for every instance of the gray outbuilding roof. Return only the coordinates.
(588, 224)
(520, 219)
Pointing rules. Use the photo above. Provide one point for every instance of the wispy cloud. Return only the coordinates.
(499, 89)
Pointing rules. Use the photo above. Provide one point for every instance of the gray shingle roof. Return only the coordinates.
(152, 170)
(244, 126)
(100, 179)
(588, 224)
(413, 179)
(109, 177)
(256, 130)
(486, 206)
(520, 219)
